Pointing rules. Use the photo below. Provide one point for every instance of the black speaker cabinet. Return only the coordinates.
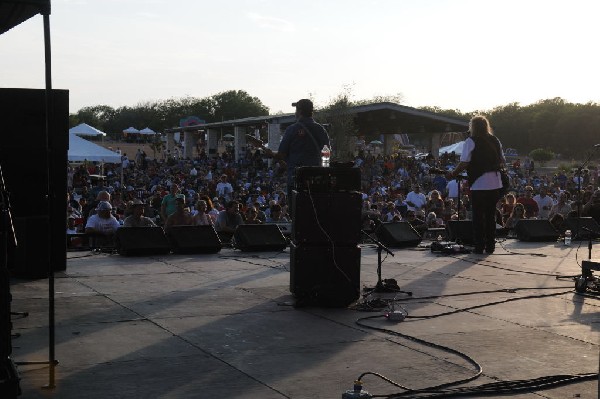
(35, 175)
(259, 237)
(582, 228)
(320, 218)
(317, 179)
(142, 241)
(194, 240)
(536, 230)
(317, 277)
(460, 231)
(31, 254)
(398, 235)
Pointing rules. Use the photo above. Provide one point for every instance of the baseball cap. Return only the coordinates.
(137, 201)
(180, 197)
(104, 206)
(304, 105)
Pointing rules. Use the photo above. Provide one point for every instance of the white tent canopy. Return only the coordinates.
(147, 131)
(131, 129)
(82, 150)
(83, 129)
(456, 148)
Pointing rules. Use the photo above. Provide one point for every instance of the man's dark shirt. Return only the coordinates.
(299, 148)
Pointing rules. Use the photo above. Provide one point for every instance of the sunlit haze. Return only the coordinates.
(458, 54)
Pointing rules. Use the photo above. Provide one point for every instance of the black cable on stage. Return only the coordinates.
(378, 303)
(489, 304)
(495, 388)
(471, 361)
(477, 262)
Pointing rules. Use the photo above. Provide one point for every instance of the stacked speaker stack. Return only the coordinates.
(326, 231)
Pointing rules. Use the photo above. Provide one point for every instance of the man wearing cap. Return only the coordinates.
(102, 225)
(137, 218)
(302, 142)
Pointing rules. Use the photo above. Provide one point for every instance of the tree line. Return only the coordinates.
(568, 129)
(166, 114)
(565, 128)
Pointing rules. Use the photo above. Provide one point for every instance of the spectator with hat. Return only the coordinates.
(102, 225)
(137, 218)
(102, 222)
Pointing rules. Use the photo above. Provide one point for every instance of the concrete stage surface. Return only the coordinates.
(223, 326)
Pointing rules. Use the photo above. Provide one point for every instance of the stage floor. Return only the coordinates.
(223, 326)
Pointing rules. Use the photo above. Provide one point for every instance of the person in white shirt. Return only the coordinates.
(416, 200)
(103, 225)
(545, 203)
(224, 188)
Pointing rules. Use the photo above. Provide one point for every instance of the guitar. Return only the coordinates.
(258, 143)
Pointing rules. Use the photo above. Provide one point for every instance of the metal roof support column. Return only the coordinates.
(240, 142)
(189, 143)
(436, 139)
(212, 142)
(274, 135)
(170, 142)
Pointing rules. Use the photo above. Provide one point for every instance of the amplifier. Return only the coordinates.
(317, 179)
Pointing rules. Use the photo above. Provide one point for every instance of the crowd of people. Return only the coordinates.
(225, 193)
(425, 192)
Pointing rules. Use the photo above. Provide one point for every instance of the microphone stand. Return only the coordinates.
(380, 287)
(458, 178)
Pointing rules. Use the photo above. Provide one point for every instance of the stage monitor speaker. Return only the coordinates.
(259, 237)
(535, 230)
(318, 179)
(142, 241)
(582, 228)
(317, 277)
(321, 218)
(35, 172)
(460, 231)
(194, 240)
(398, 235)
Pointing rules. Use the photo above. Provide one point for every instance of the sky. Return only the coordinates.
(467, 55)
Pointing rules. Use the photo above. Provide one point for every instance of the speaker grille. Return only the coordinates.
(398, 235)
(536, 230)
(259, 237)
(140, 241)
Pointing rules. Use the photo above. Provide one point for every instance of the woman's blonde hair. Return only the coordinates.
(480, 126)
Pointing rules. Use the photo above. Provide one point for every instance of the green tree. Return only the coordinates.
(236, 104)
(542, 155)
(341, 127)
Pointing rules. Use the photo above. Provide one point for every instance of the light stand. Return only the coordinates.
(380, 286)
(52, 362)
